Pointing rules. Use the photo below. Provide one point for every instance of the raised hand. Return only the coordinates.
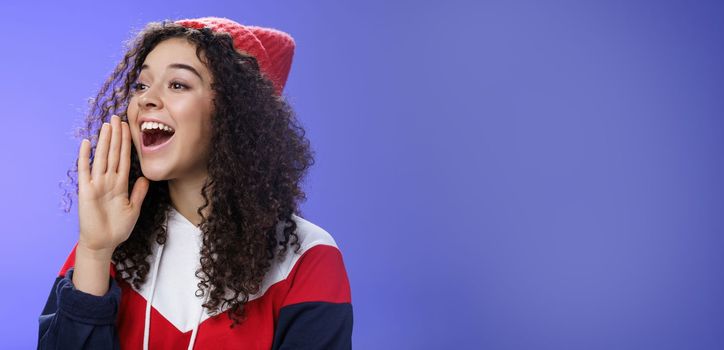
(106, 213)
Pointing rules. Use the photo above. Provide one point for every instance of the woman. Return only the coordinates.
(192, 124)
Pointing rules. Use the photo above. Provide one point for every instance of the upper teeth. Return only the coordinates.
(155, 125)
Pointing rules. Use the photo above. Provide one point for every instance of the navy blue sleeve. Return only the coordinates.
(314, 325)
(73, 319)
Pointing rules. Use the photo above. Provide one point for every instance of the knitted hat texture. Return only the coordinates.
(272, 48)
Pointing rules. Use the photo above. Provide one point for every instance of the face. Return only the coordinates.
(174, 87)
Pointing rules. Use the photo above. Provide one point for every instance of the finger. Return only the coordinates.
(100, 158)
(83, 165)
(113, 152)
(140, 189)
(125, 162)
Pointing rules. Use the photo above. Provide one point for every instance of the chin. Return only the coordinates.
(155, 173)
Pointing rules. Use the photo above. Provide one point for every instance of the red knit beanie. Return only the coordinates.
(272, 48)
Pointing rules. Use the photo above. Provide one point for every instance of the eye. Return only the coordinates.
(137, 86)
(177, 86)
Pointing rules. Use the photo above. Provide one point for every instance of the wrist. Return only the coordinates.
(102, 254)
(91, 270)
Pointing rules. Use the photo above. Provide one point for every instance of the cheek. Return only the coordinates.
(131, 111)
(207, 130)
(131, 118)
(209, 117)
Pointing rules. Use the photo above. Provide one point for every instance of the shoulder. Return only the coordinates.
(311, 235)
(315, 308)
(318, 263)
(314, 243)
(317, 271)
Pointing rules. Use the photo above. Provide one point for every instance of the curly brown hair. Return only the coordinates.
(260, 158)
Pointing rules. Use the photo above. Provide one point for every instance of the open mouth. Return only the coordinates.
(155, 137)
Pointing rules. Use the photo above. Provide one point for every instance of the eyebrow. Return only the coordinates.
(179, 66)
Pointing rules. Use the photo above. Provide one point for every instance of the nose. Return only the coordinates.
(149, 100)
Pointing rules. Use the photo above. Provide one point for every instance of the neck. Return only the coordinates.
(186, 197)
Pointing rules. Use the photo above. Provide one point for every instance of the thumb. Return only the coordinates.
(140, 188)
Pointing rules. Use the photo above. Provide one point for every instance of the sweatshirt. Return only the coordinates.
(304, 302)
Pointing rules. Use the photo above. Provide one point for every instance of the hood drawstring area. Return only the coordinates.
(147, 318)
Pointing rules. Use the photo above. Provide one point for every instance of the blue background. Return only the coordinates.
(497, 174)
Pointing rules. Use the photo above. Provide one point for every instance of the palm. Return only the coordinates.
(106, 213)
